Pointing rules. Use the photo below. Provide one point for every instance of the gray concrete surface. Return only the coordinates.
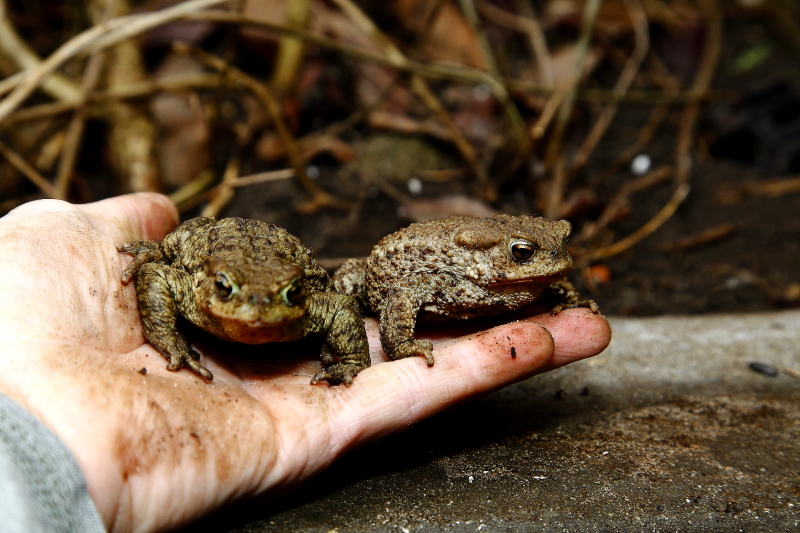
(668, 430)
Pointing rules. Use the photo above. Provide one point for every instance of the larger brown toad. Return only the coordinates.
(457, 268)
(243, 281)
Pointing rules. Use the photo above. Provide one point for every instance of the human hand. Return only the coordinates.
(162, 448)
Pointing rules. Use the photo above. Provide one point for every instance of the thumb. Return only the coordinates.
(133, 217)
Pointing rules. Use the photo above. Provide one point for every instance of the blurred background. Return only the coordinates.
(666, 131)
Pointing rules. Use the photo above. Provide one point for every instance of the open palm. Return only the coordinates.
(161, 448)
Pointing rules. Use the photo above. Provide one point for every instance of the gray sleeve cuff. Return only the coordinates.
(42, 488)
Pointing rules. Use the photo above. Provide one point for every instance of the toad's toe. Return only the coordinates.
(337, 373)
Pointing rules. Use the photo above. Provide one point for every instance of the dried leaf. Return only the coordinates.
(402, 123)
(183, 149)
(613, 19)
(451, 39)
(563, 59)
(270, 148)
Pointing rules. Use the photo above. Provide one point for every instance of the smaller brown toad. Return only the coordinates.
(458, 268)
(242, 281)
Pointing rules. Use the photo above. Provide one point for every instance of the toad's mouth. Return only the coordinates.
(537, 280)
(256, 324)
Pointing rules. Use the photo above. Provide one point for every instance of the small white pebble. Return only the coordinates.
(605, 453)
(471, 479)
(640, 164)
(312, 171)
(414, 186)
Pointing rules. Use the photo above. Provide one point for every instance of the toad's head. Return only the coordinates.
(238, 293)
(509, 250)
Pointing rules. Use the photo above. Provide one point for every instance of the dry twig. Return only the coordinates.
(653, 224)
(657, 115)
(290, 49)
(421, 88)
(620, 201)
(197, 191)
(427, 27)
(531, 28)
(28, 171)
(554, 149)
(133, 90)
(701, 83)
(772, 188)
(18, 52)
(74, 135)
(97, 37)
(641, 30)
(471, 14)
(701, 238)
(222, 194)
(548, 113)
(273, 109)
(132, 134)
(464, 74)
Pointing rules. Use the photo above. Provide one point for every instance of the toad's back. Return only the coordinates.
(248, 240)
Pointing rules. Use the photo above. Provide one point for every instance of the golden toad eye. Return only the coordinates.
(223, 285)
(522, 250)
(294, 293)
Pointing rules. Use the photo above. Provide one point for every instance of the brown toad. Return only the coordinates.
(458, 268)
(242, 281)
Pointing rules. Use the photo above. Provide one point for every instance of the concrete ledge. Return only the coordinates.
(668, 430)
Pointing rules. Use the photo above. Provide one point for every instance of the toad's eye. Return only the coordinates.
(223, 285)
(522, 250)
(294, 293)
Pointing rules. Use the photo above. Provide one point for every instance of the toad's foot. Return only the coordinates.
(156, 286)
(591, 304)
(190, 361)
(144, 252)
(567, 297)
(413, 348)
(338, 373)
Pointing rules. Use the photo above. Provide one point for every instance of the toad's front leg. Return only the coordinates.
(159, 291)
(398, 317)
(144, 252)
(567, 296)
(337, 317)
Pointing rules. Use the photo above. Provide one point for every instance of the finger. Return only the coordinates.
(388, 397)
(133, 217)
(578, 334)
